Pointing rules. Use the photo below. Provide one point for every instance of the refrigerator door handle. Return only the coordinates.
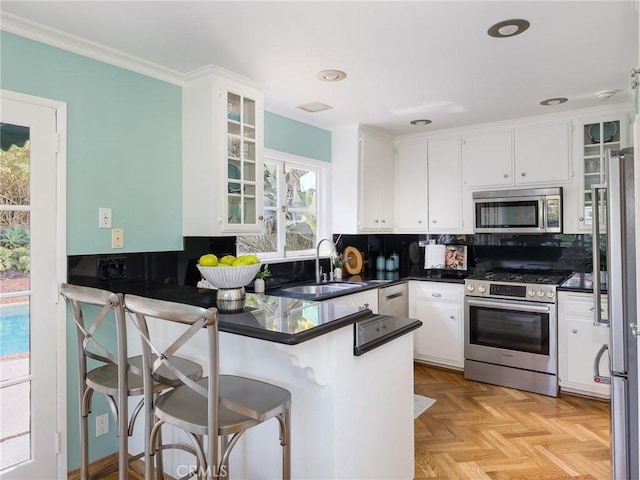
(595, 275)
(596, 366)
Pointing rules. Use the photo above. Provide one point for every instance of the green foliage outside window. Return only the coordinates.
(14, 222)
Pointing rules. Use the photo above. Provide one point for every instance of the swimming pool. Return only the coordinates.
(14, 329)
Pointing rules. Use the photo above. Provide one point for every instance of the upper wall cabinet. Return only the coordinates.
(223, 143)
(487, 159)
(410, 186)
(376, 182)
(524, 156)
(542, 154)
(362, 174)
(444, 185)
(595, 135)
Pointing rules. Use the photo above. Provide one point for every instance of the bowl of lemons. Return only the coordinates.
(229, 271)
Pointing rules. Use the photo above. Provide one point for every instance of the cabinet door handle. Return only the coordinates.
(574, 331)
(260, 217)
(434, 221)
(581, 219)
(419, 221)
(523, 174)
(376, 221)
(452, 317)
(365, 305)
(437, 295)
(383, 220)
(506, 175)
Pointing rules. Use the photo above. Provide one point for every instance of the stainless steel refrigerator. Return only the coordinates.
(619, 208)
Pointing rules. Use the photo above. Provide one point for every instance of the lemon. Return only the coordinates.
(208, 260)
(252, 259)
(228, 259)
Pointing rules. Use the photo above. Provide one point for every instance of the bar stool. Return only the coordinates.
(114, 378)
(242, 402)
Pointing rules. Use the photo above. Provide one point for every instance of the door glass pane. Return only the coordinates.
(15, 318)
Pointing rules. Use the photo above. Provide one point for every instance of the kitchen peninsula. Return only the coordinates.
(352, 416)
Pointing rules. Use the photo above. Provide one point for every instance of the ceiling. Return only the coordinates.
(404, 60)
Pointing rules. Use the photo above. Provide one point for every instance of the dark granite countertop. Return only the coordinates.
(581, 282)
(276, 319)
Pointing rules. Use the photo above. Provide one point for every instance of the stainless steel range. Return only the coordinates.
(511, 329)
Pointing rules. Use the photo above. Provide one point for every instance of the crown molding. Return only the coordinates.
(56, 38)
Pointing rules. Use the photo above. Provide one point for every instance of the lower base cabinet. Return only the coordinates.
(440, 307)
(578, 343)
(367, 299)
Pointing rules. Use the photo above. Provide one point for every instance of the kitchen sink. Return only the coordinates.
(323, 289)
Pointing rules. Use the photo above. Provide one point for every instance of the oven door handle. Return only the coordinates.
(519, 307)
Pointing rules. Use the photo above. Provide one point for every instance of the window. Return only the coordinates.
(293, 207)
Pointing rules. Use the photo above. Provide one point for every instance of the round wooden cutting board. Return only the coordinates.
(354, 265)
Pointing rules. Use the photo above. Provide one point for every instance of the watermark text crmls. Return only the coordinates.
(208, 472)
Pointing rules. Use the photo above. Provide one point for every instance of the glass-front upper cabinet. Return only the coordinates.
(598, 137)
(242, 164)
(223, 142)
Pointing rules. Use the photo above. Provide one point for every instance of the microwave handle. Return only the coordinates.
(542, 214)
(595, 275)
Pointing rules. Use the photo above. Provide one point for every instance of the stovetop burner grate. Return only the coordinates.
(545, 277)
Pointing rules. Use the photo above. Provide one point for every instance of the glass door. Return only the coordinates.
(598, 138)
(28, 310)
(242, 164)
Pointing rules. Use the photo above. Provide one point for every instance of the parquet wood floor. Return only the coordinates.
(478, 431)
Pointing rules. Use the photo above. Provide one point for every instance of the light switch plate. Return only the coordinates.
(104, 218)
(117, 238)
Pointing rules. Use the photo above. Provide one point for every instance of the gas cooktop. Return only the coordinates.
(543, 277)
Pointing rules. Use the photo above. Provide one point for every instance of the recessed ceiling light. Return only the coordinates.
(508, 28)
(605, 94)
(552, 102)
(420, 122)
(331, 75)
(314, 107)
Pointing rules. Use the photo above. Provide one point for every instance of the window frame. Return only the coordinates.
(322, 169)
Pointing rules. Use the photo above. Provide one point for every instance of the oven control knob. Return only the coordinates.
(482, 289)
(550, 294)
(532, 293)
(541, 293)
(471, 288)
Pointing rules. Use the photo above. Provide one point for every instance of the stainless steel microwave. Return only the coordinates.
(535, 210)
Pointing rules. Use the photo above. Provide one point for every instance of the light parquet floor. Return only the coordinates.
(478, 431)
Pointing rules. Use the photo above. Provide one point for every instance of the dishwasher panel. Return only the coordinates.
(394, 300)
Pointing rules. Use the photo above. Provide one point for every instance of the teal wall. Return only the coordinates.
(124, 147)
(291, 136)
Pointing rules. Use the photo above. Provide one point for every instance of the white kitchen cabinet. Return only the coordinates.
(594, 136)
(542, 154)
(367, 299)
(528, 155)
(440, 307)
(376, 182)
(578, 343)
(223, 144)
(487, 159)
(444, 170)
(362, 181)
(411, 186)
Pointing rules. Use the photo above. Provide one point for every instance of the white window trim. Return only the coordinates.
(323, 221)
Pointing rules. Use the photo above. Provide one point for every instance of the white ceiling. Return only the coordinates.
(404, 60)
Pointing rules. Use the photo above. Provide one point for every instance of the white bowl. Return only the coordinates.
(230, 277)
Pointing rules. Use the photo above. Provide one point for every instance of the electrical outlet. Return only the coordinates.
(104, 218)
(102, 424)
(117, 238)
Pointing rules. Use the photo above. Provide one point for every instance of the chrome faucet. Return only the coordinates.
(333, 255)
